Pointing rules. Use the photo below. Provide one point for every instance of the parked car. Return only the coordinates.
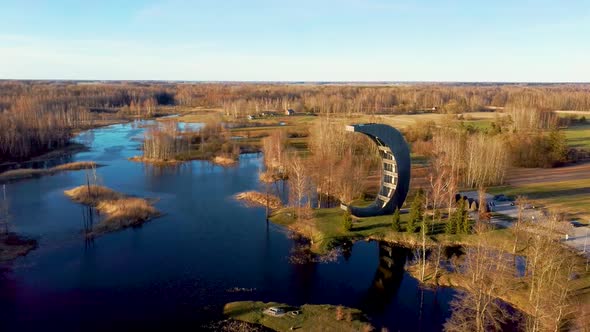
(501, 198)
(576, 223)
(274, 311)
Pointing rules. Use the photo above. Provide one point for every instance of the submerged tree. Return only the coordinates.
(4, 214)
(164, 141)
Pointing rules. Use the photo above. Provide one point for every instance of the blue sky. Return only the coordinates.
(319, 40)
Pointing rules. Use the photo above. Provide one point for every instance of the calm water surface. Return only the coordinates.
(177, 271)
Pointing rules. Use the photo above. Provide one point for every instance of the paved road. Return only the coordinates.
(578, 237)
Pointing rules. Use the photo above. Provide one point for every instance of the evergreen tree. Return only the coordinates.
(557, 147)
(347, 221)
(456, 223)
(396, 222)
(450, 227)
(416, 212)
(463, 224)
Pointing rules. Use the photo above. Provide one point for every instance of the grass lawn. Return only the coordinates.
(478, 124)
(578, 136)
(311, 318)
(327, 231)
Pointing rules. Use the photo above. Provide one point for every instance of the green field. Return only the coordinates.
(578, 136)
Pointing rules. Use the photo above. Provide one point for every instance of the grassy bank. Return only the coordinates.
(28, 173)
(311, 317)
(121, 211)
(326, 230)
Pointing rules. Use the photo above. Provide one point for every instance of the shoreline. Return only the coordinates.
(71, 147)
(500, 239)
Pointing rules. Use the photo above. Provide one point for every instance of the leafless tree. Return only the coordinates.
(299, 183)
(489, 275)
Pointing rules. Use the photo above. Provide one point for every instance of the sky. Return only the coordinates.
(301, 40)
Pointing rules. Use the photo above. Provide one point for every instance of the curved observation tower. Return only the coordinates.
(395, 172)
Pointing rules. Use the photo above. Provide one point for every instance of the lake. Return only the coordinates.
(177, 271)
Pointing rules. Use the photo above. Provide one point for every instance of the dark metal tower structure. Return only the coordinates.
(396, 163)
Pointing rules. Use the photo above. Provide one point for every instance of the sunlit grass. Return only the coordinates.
(122, 211)
(28, 173)
(578, 136)
(311, 317)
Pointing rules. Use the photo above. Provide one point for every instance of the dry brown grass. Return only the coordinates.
(141, 159)
(75, 166)
(19, 174)
(92, 195)
(28, 173)
(224, 161)
(271, 177)
(121, 211)
(260, 199)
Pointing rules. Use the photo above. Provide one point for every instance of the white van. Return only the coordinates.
(274, 311)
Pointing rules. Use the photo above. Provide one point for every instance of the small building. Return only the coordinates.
(289, 112)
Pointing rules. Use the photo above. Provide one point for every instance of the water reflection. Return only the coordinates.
(388, 277)
(88, 215)
(156, 170)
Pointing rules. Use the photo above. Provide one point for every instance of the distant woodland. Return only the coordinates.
(39, 116)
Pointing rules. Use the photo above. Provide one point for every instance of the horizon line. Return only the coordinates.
(376, 82)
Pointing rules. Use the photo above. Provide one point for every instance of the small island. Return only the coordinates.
(121, 210)
(308, 317)
(29, 173)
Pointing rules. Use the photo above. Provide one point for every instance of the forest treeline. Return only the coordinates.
(245, 98)
(38, 116)
(481, 156)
